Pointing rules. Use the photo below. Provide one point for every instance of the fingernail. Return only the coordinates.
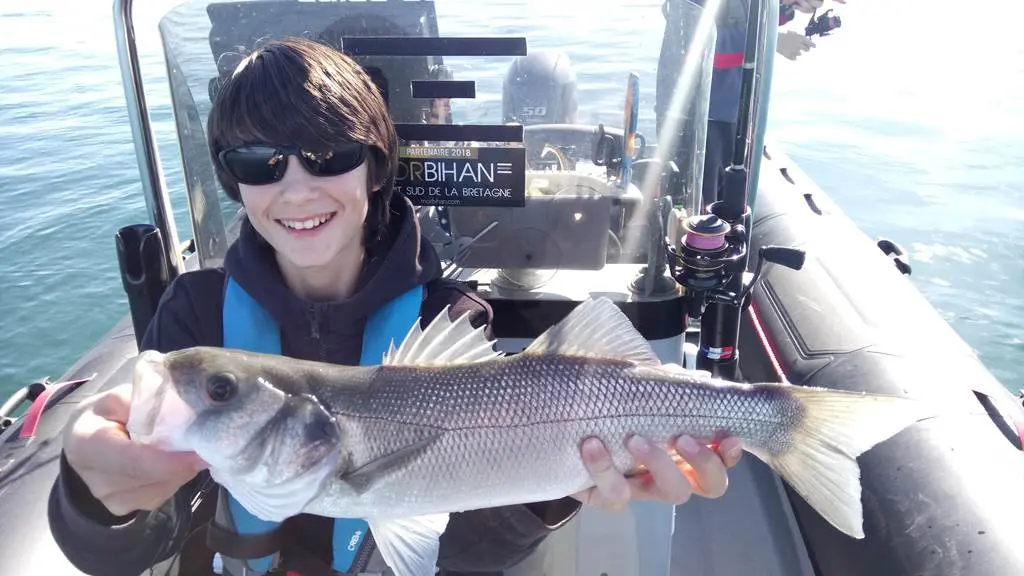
(639, 444)
(688, 445)
(735, 451)
(591, 450)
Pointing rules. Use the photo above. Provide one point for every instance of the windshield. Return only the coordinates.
(526, 150)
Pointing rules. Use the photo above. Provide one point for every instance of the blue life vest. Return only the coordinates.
(248, 326)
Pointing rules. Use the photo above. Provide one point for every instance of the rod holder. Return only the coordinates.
(145, 273)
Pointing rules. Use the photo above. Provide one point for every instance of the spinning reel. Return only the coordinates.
(817, 25)
(711, 253)
(822, 25)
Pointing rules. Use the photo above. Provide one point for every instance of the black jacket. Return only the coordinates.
(190, 315)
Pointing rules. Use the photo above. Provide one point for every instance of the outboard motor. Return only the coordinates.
(540, 88)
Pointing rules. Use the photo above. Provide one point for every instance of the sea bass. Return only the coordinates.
(446, 423)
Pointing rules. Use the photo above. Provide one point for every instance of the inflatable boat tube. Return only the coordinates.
(943, 496)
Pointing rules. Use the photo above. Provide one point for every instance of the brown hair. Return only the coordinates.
(301, 92)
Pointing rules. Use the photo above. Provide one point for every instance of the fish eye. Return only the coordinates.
(221, 387)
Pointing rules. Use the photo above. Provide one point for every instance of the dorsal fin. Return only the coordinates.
(443, 342)
(597, 329)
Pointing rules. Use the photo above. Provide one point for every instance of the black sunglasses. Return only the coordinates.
(259, 164)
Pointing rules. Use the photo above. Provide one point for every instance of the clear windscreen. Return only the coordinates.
(534, 135)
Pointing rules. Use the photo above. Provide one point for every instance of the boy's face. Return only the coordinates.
(310, 220)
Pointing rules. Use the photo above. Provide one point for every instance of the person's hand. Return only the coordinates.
(792, 44)
(808, 6)
(123, 475)
(700, 471)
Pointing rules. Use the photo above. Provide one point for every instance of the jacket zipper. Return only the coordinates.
(314, 331)
(369, 546)
(314, 322)
(363, 556)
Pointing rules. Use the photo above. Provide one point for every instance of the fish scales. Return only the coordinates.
(490, 427)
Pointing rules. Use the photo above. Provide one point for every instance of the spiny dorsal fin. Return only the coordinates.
(596, 329)
(443, 342)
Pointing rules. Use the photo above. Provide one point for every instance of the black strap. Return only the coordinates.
(245, 547)
(296, 559)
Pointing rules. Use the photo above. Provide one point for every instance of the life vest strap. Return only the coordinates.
(300, 562)
(294, 560)
(248, 326)
(243, 546)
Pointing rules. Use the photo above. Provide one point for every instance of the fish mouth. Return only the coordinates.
(149, 379)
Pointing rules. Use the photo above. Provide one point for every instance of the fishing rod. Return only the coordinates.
(712, 260)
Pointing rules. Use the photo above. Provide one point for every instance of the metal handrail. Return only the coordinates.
(158, 201)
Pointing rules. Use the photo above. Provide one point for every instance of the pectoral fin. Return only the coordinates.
(382, 468)
(409, 545)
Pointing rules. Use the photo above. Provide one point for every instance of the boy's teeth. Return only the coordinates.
(306, 224)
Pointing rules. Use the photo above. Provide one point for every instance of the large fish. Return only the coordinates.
(447, 424)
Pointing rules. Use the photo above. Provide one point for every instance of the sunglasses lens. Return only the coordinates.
(343, 158)
(254, 164)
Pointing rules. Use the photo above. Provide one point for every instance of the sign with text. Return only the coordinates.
(462, 175)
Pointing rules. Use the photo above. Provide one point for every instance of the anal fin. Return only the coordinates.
(596, 328)
(409, 545)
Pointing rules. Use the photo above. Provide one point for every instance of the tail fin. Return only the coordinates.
(821, 464)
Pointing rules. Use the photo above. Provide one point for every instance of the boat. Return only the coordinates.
(791, 290)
